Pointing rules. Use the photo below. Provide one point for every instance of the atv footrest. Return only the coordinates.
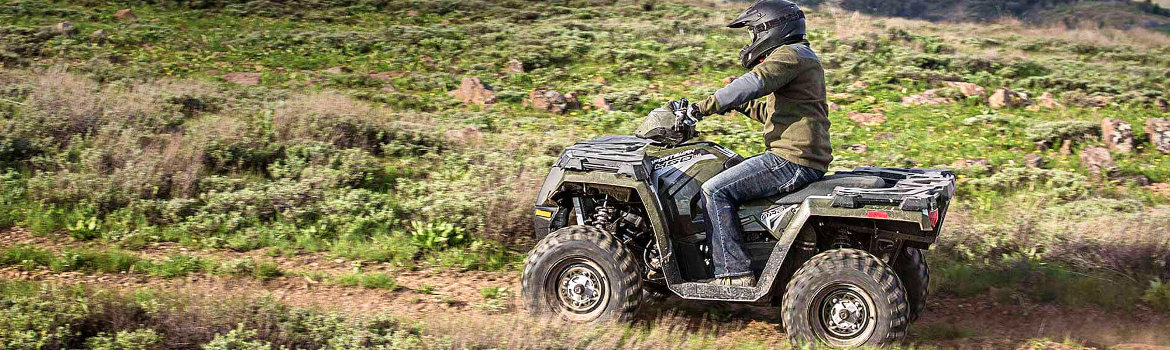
(707, 291)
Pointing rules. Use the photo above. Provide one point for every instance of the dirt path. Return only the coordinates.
(949, 322)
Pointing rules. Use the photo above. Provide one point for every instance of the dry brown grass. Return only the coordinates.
(852, 24)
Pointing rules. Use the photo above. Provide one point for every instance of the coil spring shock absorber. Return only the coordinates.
(603, 216)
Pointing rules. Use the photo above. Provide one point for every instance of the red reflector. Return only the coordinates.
(877, 214)
(934, 217)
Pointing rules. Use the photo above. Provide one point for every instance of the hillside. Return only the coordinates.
(360, 173)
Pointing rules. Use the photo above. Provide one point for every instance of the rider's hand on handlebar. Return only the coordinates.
(686, 112)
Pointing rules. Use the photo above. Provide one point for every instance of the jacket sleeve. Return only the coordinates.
(776, 71)
(753, 109)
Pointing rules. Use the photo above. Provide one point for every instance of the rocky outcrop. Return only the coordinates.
(242, 78)
(928, 97)
(1158, 130)
(1098, 160)
(514, 66)
(1047, 101)
(125, 15)
(552, 101)
(600, 103)
(1117, 135)
(1161, 104)
(64, 28)
(1004, 97)
(968, 89)
(858, 85)
(866, 119)
(473, 91)
(1033, 160)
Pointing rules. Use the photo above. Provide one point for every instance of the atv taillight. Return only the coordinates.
(877, 214)
(933, 217)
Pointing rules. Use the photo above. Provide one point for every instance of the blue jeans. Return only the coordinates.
(761, 176)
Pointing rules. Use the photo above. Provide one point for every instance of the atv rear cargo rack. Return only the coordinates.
(913, 189)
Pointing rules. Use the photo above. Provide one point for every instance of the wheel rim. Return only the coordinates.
(580, 290)
(843, 314)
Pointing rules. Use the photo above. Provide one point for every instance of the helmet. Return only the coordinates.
(773, 23)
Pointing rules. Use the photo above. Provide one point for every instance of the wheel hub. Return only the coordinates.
(579, 288)
(844, 313)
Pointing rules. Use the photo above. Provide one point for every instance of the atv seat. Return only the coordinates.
(825, 187)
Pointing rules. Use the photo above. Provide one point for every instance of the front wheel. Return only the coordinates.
(845, 298)
(581, 274)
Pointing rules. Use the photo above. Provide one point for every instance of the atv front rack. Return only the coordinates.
(913, 189)
(615, 153)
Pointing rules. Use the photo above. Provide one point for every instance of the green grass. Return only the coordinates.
(366, 280)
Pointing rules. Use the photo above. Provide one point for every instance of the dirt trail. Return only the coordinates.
(949, 322)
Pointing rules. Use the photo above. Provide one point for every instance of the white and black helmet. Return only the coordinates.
(773, 23)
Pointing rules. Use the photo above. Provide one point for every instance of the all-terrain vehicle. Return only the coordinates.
(619, 219)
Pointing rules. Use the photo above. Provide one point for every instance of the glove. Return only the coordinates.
(686, 113)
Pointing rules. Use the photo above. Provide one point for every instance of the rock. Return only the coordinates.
(601, 80)
(99, 35)
(464, 136)
(1137, 180)
(600, 103)
(884, 136)
(382, 77)
(1066, 147)
(1033, 160)
(1117, 135)
(691, 83)
(571, 99)
(336, 70)
(1094, 101)
(840, 95)
(389, 88)
(473, 91)
(1046, 100)
(1098, 160)
(833, 106)
(729, 79)
(550, 100)
(857, 148)
(65, 28)
(125, 15)
(866, 119)
(1158, 130)
(242, 78)
(968, 89)
(412, 13)
(514, 66)
(1161, 104)
(858, 85)
(1004, 97)
(928, 97)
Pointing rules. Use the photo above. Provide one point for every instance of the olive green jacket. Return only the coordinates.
(795, 114)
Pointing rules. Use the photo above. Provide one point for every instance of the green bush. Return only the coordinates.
(1158, 295)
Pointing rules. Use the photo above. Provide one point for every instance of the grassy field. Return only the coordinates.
(317, 143)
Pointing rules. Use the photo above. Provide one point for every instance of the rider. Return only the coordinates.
(796, 127)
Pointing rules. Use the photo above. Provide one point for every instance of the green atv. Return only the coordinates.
(619, 219)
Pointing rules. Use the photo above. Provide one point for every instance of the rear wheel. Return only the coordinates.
(581, 274)
(912, 271)
(845, 298)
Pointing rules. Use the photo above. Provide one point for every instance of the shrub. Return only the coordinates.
(1158, 295)
(1066, 185)
(1054, 132)
(139, 339)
